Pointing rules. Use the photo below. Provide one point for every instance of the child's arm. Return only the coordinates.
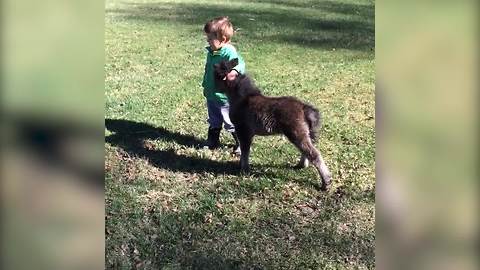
(238, 69)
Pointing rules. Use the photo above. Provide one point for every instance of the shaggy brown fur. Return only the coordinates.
(255, 114)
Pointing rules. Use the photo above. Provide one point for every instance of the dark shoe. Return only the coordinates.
(213, 141)
(236, 148)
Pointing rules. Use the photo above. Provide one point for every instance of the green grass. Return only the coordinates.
(172, 206)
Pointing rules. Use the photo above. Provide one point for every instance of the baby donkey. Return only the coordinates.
(255, 114)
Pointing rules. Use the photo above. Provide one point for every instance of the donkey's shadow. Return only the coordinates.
(131, 136)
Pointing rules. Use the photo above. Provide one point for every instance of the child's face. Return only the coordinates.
(214, 42)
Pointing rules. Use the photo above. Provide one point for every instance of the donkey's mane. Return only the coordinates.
(246, 87)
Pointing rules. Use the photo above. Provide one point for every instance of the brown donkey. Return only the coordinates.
(255, 114)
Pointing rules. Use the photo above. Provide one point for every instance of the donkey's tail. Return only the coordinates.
(313, 119)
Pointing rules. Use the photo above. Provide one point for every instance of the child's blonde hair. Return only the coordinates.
(221, 26)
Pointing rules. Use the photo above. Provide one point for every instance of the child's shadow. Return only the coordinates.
(131, 136)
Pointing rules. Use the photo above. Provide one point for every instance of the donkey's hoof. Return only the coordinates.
(245, 171)
(298, 166)
(326, 180)
(326, 183)
(236, 151)
(301, 165)
(325, 186)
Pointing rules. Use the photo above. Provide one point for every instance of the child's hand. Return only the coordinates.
(232, 75)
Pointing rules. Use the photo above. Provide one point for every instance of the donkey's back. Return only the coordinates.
(281, 115)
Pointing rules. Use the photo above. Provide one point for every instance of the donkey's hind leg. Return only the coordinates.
(322, 169)
(308, 150)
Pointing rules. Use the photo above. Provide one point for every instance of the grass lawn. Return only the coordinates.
(170, 205)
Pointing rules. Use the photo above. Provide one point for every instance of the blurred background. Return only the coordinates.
(53, 134)
(426, 108)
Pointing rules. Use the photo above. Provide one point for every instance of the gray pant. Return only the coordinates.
(218, 114)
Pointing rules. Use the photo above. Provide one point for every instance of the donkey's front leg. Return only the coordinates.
(303, 163)
(245, 143)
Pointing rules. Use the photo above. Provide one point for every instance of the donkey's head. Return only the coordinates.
(220, 73)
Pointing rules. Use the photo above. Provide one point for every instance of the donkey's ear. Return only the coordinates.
(234, 62)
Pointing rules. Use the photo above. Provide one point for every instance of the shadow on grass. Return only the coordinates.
(338, 25)
(131, 136)
(137, 132)
(364, 10)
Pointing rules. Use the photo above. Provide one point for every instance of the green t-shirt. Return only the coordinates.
(227, 52)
